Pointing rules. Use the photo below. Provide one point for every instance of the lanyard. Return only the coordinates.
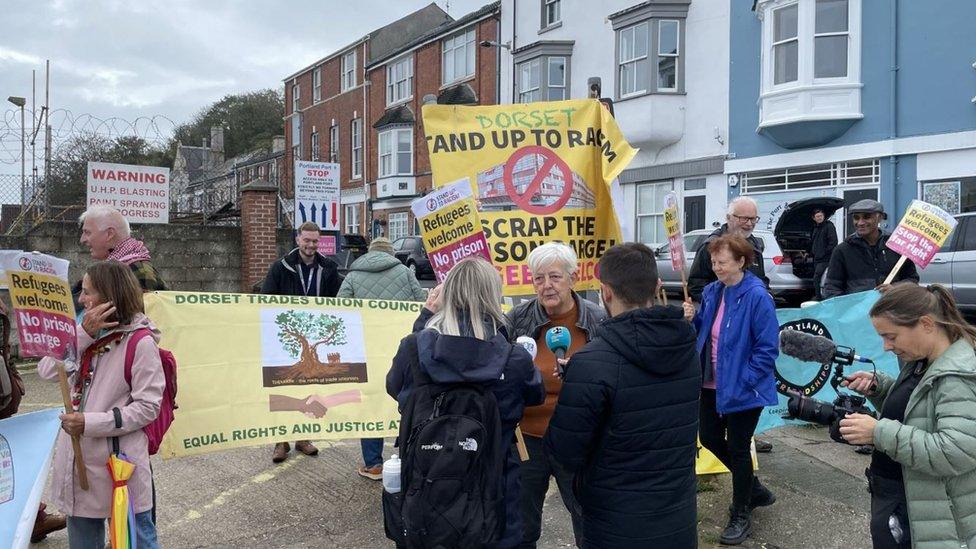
(307, 285)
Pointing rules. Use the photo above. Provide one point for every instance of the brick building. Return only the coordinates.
(340, 109)
(445, 63)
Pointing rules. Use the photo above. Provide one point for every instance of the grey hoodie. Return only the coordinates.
(379, 275)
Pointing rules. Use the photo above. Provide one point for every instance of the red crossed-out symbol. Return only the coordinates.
(549, 161)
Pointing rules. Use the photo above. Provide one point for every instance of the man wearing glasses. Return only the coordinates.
(741, 219)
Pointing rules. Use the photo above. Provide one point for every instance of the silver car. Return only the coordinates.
(783, 283)
(955, 265)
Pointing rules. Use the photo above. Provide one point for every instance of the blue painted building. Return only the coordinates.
(855, 99)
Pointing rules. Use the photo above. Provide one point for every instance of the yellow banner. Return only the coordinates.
(256, 369)
(540, 172)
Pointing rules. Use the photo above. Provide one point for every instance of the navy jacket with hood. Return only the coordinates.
(626, 425)
(507, 368)
(748, 344)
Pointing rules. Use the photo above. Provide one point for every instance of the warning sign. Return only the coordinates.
(141, 193)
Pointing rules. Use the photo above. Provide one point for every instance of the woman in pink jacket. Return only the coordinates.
(113, 311)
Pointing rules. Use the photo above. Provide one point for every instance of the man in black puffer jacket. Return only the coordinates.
(627, 417)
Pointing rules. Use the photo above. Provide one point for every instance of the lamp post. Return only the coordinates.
(20, 102)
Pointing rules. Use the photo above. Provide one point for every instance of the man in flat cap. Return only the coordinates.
(862, 261)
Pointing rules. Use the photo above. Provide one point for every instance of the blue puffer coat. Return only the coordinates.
(748, 343)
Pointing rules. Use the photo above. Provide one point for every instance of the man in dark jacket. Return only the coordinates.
(862, 261)
(741, 219)
(305, 272)
(627, 417)
(823, 240)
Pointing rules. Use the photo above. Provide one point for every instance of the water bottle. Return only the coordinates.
(391, 474)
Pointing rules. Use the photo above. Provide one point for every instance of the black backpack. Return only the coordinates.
(452, 466)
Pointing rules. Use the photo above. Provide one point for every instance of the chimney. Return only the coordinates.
(217, 143)
(277, 143)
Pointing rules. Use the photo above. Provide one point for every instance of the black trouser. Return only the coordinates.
(819, 268)
(728, 437)
(534, 476)
(889, 511)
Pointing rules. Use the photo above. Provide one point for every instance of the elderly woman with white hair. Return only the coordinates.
(553, 267)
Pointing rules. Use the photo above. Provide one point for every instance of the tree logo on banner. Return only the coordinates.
(300, 334)
(535, 182)
(823, 374)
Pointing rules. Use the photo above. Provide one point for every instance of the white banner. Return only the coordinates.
(317, 194)
(141, 193)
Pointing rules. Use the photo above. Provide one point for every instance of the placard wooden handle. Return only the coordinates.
(75, 439)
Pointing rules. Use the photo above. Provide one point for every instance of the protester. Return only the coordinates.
(466, 341)
(105, 231)
(741, 219)
(302, 272)
(862, 261)
(553, 267)
(627, 417)
(379, 275)
(110, 410)
(738, 342)
(823, 240)
(922, 476)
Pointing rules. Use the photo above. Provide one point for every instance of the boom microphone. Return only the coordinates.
(814, 348)
(528, 344)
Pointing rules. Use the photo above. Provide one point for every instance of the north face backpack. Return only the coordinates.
(452, 466)
(156, 429)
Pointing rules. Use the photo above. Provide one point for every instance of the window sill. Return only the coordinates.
(468, 78)
(398, 103)
(650, 93)
(810, 103)
(553, 26)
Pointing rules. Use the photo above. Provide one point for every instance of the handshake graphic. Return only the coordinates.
(313, 406)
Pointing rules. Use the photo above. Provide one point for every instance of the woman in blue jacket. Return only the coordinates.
(738, 342)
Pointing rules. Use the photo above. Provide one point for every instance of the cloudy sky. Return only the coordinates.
(115, 63)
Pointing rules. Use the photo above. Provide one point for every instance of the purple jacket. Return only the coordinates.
(139, 405)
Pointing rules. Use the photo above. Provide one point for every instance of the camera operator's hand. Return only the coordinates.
(858, 429)
(861, 382)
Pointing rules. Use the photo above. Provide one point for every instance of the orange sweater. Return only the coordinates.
(535, 420)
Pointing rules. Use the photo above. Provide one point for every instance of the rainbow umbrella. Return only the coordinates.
(122, 521)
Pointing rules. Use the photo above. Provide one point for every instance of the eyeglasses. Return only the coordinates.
(745, 219)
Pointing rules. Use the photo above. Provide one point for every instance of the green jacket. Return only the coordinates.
(379, 275)
(936, 447)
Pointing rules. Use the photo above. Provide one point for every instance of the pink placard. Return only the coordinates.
(444, 258)
(327, 244)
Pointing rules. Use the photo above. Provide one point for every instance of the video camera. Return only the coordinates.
(812, 348)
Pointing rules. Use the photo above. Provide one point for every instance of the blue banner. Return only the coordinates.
(26, 444)
(842, 319)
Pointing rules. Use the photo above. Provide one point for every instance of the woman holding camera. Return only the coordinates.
(923, 470)
(738, 342)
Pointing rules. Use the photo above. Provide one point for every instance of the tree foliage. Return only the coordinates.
(69, 162)
(249, 121)
(298, 327)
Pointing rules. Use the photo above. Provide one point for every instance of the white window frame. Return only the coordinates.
(350, 217)
(334, 143)
(348, 78)
(317, 84)
(399, 72)
(316, 151)
(530, 94)
(676, 56)
(640, 88)
(399, 222)
(459, 43)
(651, 212)
(549, 85)
(296, 95)
(556, 10)
(785, 41)
(809, 98)
(356, 146)
(388, 151)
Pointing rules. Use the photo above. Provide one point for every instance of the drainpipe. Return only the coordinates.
(367, 221)
(511, 85)
(893, 108)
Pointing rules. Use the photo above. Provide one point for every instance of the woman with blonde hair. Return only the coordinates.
(922, 476)
(465, 345)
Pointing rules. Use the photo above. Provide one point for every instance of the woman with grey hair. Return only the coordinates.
(553, 267)
(466, 342)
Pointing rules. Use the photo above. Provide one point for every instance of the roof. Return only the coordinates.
(396, 115)
(393, 38)
(259, 159)
(444, 28)
(196, 159)
(461, 94)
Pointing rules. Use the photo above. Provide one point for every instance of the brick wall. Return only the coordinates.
(259, 213)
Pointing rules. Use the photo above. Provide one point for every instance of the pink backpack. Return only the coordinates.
(156, 429)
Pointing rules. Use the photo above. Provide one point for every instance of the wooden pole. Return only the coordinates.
(75, 439)
(891, 275)
(684, 284)
(520, 445)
